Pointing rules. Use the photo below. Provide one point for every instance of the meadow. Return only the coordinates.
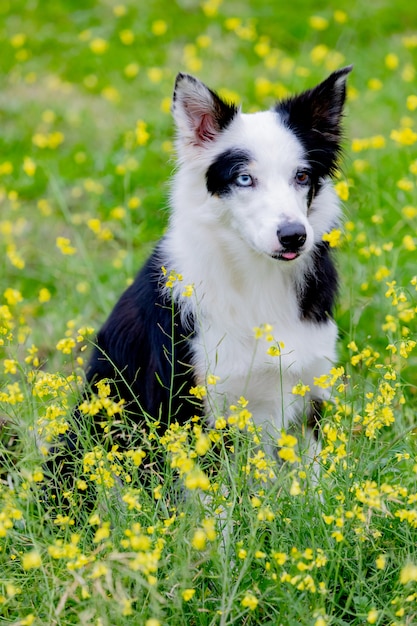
(86, 152)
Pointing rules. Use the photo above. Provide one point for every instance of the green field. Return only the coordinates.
(85, 160)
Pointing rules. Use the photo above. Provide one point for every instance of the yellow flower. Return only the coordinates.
(199, 539)
(412, 102)
(131, 70)
(18, 40)
(102, 533)
(265, 330)
(197, 479)
(187, 594)
(188, 291)
(409, 212)
(126, 37)
(10, 366)
(29, 166)
(155, 74)
(405, 184)
(202, 445)
(6, 168)
(391, 61)
(250, 601)
(408, 574)
(287, 440)
(381, 561)
(99, 45)
(141, 133)
(157, 492)
(382, 272)
(295, 488)
(300, 390)
(136, 455)
(409, 243)
(127, 607)
(64, 246)
(159, 27)
(340, 17)
(210, 7)
(199, 391)
(44, 295)
(318, 22)
(274, 351)
(99, 570)
(31, 560)
(342, 190)
(66, 345)
(405, 136)
(12, 296)
(337, 535)
(374, 84)
(333, 237)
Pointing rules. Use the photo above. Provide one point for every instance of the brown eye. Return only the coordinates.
(302, 178)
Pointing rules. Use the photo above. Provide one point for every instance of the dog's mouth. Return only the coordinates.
(286, 255)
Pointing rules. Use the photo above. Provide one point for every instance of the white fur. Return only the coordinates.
(223, 247)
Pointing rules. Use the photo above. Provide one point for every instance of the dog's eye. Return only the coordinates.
(244, 180)
(302, 178)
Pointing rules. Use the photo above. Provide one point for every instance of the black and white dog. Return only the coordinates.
(251, 200)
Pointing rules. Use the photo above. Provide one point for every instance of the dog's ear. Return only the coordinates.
(199, 113)
(315, 116)
(319, 109)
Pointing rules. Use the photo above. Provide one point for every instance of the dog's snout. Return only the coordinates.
(292, 236)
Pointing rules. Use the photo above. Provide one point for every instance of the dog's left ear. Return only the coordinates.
(315, 116)
(318, 109)
(199, 113)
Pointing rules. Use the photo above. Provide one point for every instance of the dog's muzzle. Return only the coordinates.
(292, 237)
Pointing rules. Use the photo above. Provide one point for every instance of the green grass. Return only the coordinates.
(76, 78)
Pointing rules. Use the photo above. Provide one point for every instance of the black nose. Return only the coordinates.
(292, 236)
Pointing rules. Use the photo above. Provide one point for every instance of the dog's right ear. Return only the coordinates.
(199, 113)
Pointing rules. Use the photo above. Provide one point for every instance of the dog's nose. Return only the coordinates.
(292, 236)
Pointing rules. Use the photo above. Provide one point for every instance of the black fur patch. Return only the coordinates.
(144, 348)
(317, 294)
(315, 118)
(222, 172)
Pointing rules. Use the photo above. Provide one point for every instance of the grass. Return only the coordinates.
(86, 153)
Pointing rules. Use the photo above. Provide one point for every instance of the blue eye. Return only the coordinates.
(244, 180)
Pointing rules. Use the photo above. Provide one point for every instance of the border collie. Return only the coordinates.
(251, 200)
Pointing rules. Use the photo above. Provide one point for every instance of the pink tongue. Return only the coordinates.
(289, 255)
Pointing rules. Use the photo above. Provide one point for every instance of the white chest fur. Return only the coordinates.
(231, 298)
(250, 366)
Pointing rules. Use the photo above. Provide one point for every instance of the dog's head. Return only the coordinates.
(266, 174)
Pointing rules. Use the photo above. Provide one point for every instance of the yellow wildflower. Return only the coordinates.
(31, 560)
(300, 390)
(250, 601)
(159, 27)
(187, 594)
(318, 22)
(408, 574)
(333, 237)
(405, 136)
(99, 45)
